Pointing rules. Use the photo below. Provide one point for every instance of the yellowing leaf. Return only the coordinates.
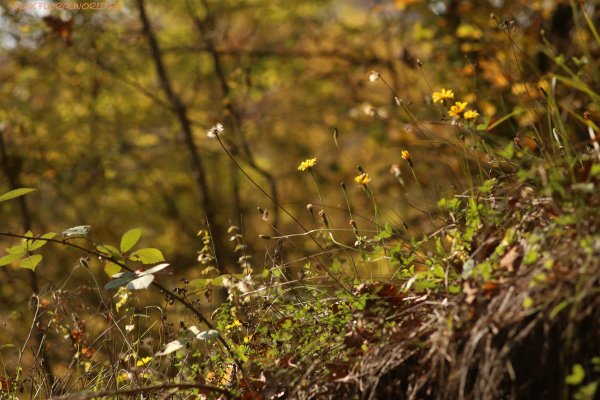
(147, 256)
(15, 193)
(112, 268)
(31, 262)
(10, 258)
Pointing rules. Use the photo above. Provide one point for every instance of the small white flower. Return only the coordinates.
(214, 131)
(374, 76)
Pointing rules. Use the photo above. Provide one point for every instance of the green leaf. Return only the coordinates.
(16, 250)
(107, 249)
(112, 268)
(15, 193)
(10, 258)
(219, 280)
(31, 262)
(439, 272)
(147, 256)
(576, 376)
(173, 346)
(39, 243)
(129, 239)
(200, 283)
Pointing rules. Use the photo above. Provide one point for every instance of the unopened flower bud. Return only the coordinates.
(309, 208)
(374, 76)
(324, 218)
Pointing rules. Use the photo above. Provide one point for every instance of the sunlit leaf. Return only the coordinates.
(155, 269)
(15, 193)
(39, 243)
(173, 346)
(147, 256)
(10, 258)
(140, 283)
(200, 283)
(111, 269)
(16, 250)
(129, 239)
(107, 249)
(31, 262)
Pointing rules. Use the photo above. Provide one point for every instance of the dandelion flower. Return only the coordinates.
(214, 131)
(374, 76)
(307, 164)
(363, 179)
(456, 109)
(472, 114)
(444, 94)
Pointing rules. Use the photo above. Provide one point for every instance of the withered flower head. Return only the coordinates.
(214, 131)
(324, 218)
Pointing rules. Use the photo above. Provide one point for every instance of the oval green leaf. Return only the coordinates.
(10, 258)
(129, 239)
(147, 256)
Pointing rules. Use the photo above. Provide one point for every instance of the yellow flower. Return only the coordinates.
(405, 155)
(444, 94)
(471, 114)
(363, 179)
(307, 164)
(457, 109)
(143, 361)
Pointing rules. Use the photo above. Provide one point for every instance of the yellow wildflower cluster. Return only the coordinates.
(405, 155)
(471, 114)
(307, 164)
(457, 108)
